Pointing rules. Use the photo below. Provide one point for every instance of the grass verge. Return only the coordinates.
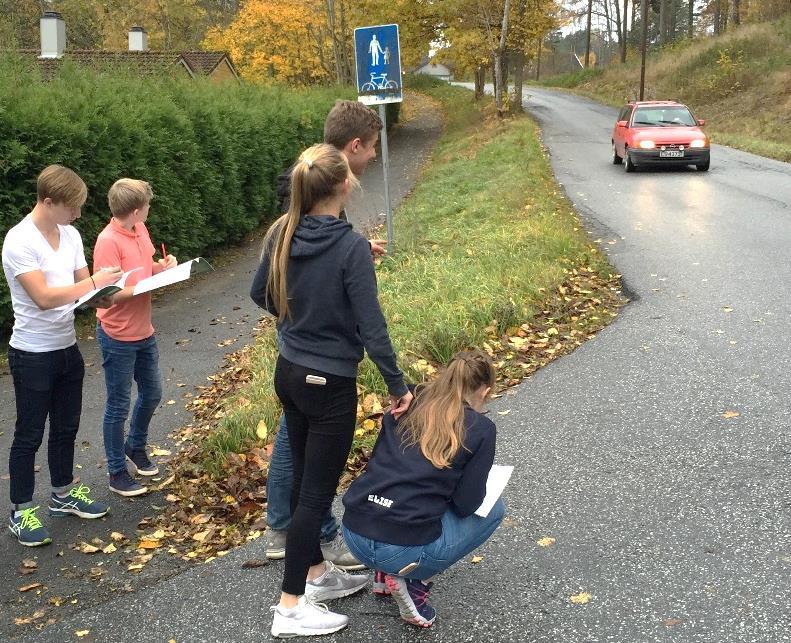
(490, 254)
(739, 82)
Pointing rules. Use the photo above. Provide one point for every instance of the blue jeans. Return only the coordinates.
(278, 488)
(45, 385)
(124, 361)
(459, 537)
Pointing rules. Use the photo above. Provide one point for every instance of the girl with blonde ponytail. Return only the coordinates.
(317, 278)
(411, 514)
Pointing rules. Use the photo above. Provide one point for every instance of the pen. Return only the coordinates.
(164, 253)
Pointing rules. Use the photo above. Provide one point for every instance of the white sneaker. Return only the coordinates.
(334, 583)
(308, 618)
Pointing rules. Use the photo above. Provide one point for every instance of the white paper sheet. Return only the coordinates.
(499, 475)
(182, 272)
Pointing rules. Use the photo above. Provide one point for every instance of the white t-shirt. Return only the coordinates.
(25, 250)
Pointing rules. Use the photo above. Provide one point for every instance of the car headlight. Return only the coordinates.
(647, 145)
(698, 142)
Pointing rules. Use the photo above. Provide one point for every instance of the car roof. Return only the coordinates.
(638, 103)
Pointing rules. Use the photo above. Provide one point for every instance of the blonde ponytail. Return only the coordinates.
(435, 420)
(320, 170)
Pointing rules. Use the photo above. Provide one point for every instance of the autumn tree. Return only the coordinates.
(278, 42)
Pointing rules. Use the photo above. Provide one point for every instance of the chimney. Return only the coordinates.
(53, 35)
(138, 39)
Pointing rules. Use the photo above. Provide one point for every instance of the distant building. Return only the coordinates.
(437, 70)
(215, 65)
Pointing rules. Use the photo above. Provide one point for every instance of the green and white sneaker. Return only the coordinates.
(28, 528)
(77, 503)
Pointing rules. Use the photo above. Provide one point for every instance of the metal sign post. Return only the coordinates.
(377, 55)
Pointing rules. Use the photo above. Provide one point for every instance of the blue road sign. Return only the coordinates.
(377, 55)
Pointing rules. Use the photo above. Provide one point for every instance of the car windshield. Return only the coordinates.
(665, 116)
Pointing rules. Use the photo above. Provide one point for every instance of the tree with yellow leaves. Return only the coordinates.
(278, 42)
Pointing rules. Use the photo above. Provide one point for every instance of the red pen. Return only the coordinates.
(164, 253)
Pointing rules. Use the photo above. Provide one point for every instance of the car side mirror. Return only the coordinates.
(622, 123)
(701, 122)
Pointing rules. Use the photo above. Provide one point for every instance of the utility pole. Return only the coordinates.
(644, 19)
(588, 37)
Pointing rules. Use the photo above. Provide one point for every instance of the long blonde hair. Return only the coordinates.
(317, 174)
(435, 420)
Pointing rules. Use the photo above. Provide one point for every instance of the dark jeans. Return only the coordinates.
(45, 385)
(278, 488)
(320, 420)
(123, 362)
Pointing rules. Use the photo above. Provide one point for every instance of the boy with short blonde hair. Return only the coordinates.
(126, 335)
(44, 264)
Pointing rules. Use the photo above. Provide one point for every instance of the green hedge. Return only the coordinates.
(211, 152)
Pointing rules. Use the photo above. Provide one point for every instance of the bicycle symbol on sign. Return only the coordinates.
(379, 82)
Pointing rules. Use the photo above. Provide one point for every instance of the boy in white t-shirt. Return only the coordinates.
(44, 264)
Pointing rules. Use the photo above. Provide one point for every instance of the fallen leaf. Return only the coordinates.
(476, 559)
(109, 549)
(727, 309)
(731, 414)
(87, 548)
(504, 412)
(147, 543)
(27, 588)
(255, 562)
(581, 598)
(24, 620)
(134, 567)
(156, 451)
(57, 601)
(670, 622)
(117, 536)
(261, 430)
(170, 402)
(546, 541)
(81, 633)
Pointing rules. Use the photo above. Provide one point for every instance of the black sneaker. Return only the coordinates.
(125, 485)
(140, 462)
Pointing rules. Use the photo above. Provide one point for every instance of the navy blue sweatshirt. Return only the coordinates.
(333, 303)
(401, 497)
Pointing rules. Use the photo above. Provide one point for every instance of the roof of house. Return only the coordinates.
(196, 63)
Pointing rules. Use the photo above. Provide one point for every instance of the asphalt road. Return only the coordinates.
(672, 517)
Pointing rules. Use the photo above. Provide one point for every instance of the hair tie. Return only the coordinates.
(309, 163)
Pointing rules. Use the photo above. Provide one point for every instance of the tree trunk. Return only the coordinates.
(498, 60)
(588, 34)
(618, 31)
(480, 81)
(717, 9)
(623, 42)
(724, 14)
(538, 58)
(662, 21)
(333, 34)
(737, 19)
(691, 19)
(519, 70)
(343, 44)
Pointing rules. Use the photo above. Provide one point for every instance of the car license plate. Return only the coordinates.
(672, 154)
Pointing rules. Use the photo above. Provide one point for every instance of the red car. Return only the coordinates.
(660, 132)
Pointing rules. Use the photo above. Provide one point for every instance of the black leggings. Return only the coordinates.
(320, 418)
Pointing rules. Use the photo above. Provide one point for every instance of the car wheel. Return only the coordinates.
(627, 161)
(703, 167)
(616, 160)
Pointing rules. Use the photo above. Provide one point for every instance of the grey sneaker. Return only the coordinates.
(308, 618)
(77, 503)
(338, 553)
(276, 544)
(334, 583)
(28, 528)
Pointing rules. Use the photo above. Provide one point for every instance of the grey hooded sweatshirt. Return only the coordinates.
(333, 304)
